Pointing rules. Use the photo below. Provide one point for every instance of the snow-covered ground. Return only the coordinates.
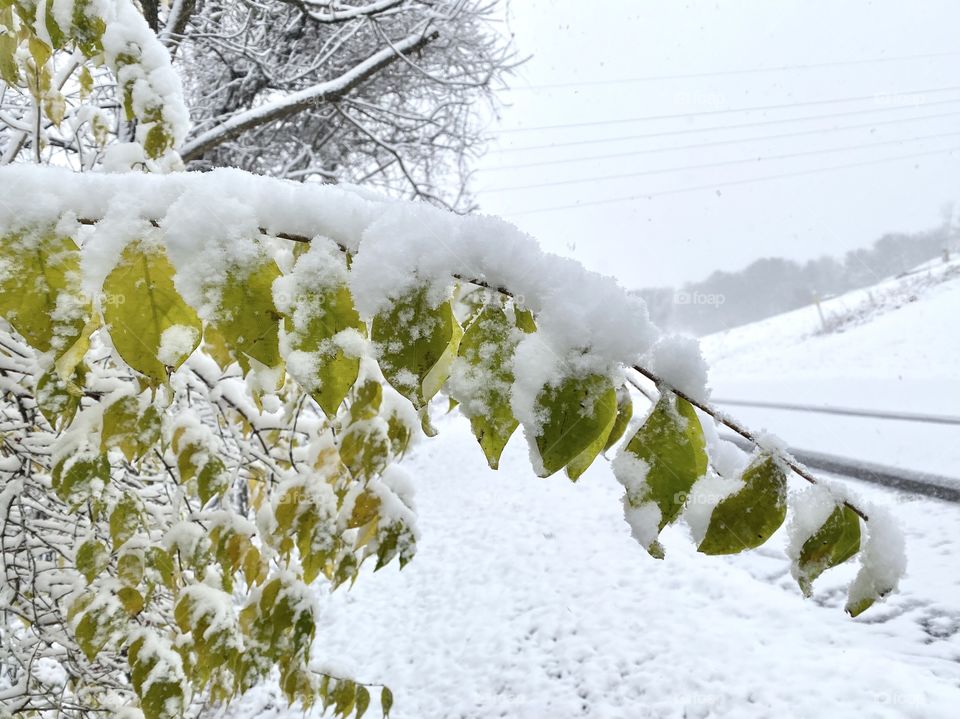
(528, 598)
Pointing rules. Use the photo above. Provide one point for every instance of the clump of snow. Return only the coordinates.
(168, 664)
(725, 457)
(123, 157)
(185, 537)
(644, 521)
(678, 361)
(212, 222)
(771, 443)
(631, 471)
(811, 507)
(211, 219)
(321, 267)
(176, 343)
(210, 237)
(883, 558)
(216, 607)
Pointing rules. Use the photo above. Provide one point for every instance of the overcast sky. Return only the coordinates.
(605, 53)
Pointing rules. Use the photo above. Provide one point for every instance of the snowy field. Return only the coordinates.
(528, 598)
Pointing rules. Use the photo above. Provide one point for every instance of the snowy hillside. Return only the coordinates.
(529, 599)
(897, 348)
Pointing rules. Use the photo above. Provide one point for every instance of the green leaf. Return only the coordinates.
(86, 633)
(386, 701)
(59, 399)
(363, 701)
(748, 518)
(92, 559)
(85, 78)
(124, 520)
(247, 318)
(837, 539)
(53, 29)
(344, 696)
(581, 463)
(39, 50)
(131, 600)
(212, 480)
(157, 141)
(148, 429)
(9, 69)
(486, 356)
(663, 460)
(416, 343)
(130, 568)
(163, 700)
(624, 415)
(40, 293)
(365, 449)
(399, 434)
(95, 628)
(161, 561)
(577, 413)
(88, 28)
(366, 402)
(151, 326)
(77, 483)
(858, 607)
(120, 426)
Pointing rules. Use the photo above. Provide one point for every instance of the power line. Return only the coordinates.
(848, 411)
(738, 126)
(725, 163)
(727, 111)
(724, 73)
(718, 143)
(732, 183)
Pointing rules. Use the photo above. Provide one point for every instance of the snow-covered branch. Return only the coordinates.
(323, 93)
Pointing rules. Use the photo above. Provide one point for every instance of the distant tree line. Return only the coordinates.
(773, 285)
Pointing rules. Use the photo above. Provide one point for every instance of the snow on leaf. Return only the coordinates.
(481, 378)
(882, 563)
(319, 319)
(416, 341)
(40, 292)
(92, 558)
(246, 316)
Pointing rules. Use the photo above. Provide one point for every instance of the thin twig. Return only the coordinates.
(739, 429)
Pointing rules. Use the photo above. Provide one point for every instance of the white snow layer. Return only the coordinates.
(586, 321)
(529, 599)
